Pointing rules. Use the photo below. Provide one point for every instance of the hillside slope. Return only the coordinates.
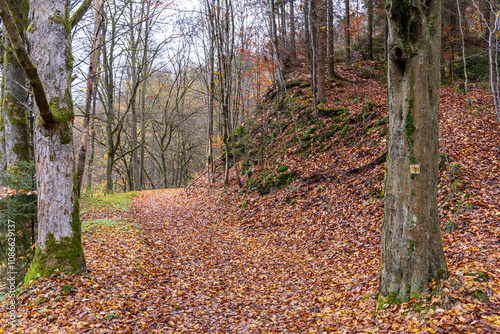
(333, 206)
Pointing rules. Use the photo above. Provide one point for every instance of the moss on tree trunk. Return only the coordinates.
(412, 250)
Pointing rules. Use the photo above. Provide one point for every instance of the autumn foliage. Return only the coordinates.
(297, 256)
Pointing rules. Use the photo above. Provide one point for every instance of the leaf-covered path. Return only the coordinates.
(208, 275)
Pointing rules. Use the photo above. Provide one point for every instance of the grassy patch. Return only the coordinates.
(109, 203)
(110, 225)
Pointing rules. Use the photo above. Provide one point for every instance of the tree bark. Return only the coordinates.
(307, 33)
(412, 250)
(347, 32)
(14, 110)
(91, 79)
(331, 40)
(293, 41)
(59, 231)
(369, 46)
(320, 10)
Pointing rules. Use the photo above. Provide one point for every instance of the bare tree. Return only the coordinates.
(91, 80)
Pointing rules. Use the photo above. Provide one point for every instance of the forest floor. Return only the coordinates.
(302, 259)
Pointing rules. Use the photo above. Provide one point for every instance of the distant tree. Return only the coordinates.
(320, 23)
(91, 82)
(347, 31)
(412, 249)
(369, 44)
(490, 17)
(330, 39)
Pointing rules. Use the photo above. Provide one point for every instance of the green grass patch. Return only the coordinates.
(119, 225)
(109, 203)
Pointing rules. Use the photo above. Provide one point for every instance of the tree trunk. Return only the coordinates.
(293, 47)
(369, 46)
(59, 243)
(90, 161)
(320, 16)
(108, 60)
(14, 113)
(347, 32)
(91, 78)
(464, 59)
(331, 40)
(386, 37)
(412, 250)
(307, 33)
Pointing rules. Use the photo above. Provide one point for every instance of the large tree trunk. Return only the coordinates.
(59, 243)
(15, 142)
(14, 115)
(412, 250)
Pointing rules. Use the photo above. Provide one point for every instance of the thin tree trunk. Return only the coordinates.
(90, 161)
(386, 37)
(369, 4)
(314, 32)
(293, 42)
(91, 79)
(320, 11)
(307, 33)
(281, 80)
(463, 54)
(347, 32)
(331, 40)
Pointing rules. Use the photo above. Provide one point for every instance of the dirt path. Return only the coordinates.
(209, 276)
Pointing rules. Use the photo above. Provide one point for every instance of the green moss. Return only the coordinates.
(15, 112)
(65, 254)
(306, 137)
(282, 169)
(69, 61)
(65, 113)
(22, 150)
(410, 123)
(385, 302)
(411, 248)
(284, 179)
(345, 129)
(31, 28)
(311, 131)
(382, 159)
(65, 137)
(481, 296)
